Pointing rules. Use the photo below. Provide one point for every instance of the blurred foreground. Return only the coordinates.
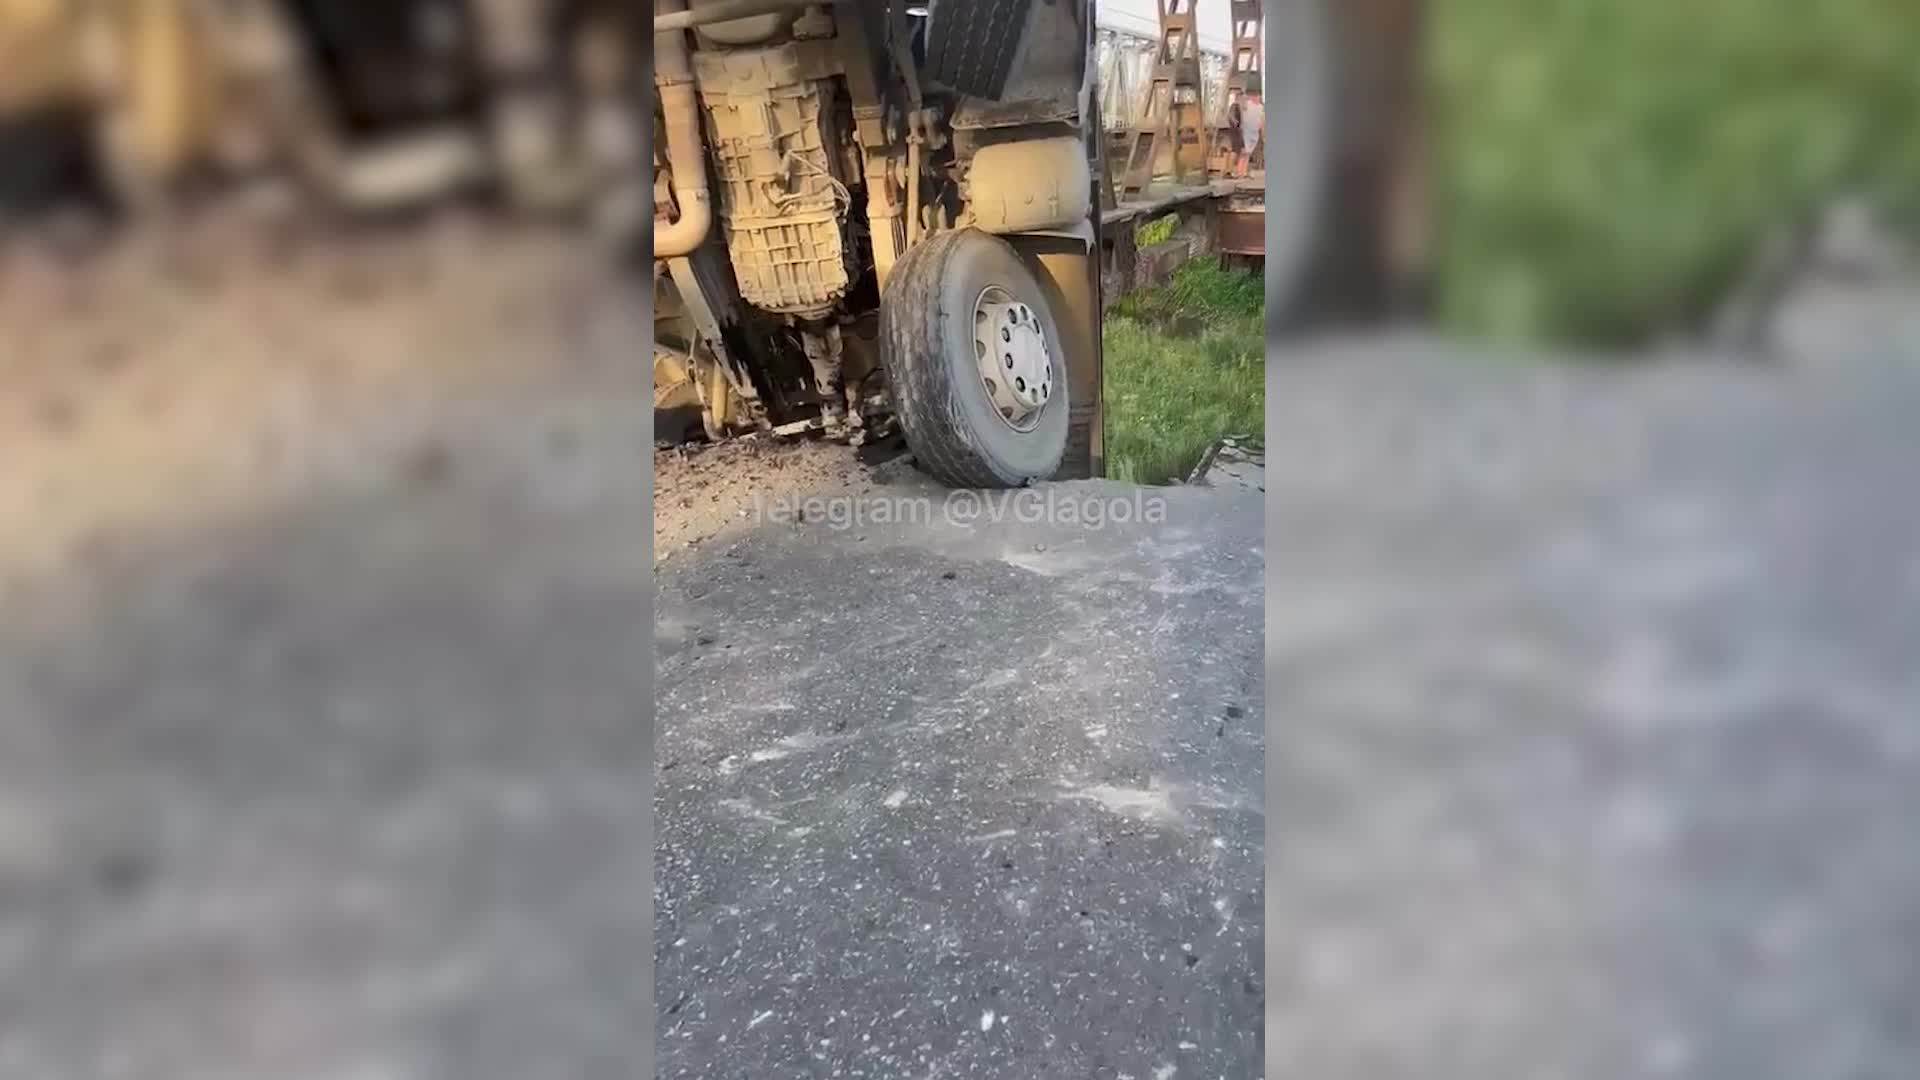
(184, 375)
(1595, 727)
(323, 699)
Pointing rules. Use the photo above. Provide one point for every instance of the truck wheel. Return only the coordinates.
(974, 359)
(970, 45)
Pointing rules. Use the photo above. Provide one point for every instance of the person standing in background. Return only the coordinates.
(1249, 118)
(1234, 142)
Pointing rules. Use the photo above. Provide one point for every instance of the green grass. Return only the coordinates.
(1604, 169)
(1157, 231)
(1184, 365)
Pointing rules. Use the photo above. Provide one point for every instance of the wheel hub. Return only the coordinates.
(1016, 365)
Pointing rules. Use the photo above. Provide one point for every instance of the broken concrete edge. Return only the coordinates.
(1198, 475)
(1199, 472)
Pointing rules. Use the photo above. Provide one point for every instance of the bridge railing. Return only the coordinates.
(1125, 63)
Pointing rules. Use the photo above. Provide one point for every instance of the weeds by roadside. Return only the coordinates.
(1157, 231)
(1184, 365)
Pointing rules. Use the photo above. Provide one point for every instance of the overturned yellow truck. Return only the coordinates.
(872, 216)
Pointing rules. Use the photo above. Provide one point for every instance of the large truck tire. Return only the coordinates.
(971, 43)
(973, 355)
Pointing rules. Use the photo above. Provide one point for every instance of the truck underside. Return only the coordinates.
(869, 218)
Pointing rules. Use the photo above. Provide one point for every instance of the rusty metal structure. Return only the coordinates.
(1170, 136)
(1334, 208)
(1249, 30)
(1178, 164)
(1244, 75)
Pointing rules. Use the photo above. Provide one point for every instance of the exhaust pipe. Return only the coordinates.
(673, 74)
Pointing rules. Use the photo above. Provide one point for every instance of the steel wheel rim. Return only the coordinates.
(1014, 360)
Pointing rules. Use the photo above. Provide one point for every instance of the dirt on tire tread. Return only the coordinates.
(974, 53)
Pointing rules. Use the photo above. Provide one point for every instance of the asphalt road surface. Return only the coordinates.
(965, 799)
